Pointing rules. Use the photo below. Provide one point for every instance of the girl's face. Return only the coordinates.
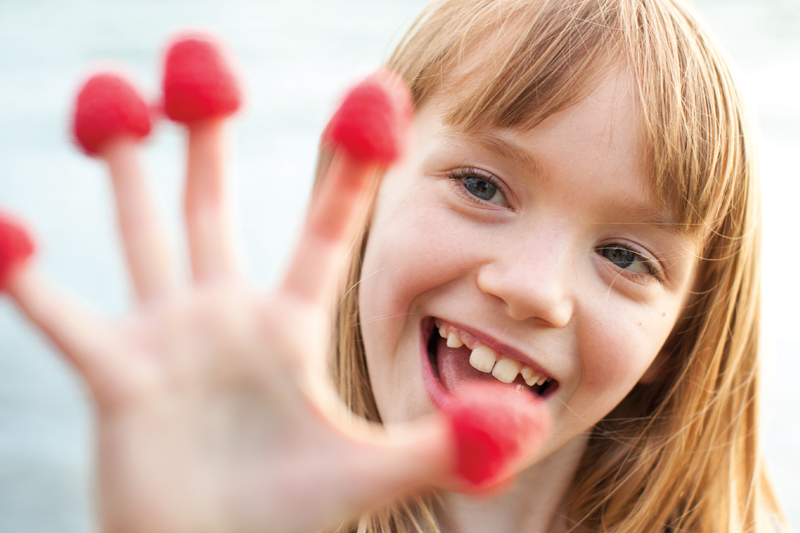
(543, 249)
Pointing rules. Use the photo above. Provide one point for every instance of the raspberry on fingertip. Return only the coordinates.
(200, 81)
(372, 121)
(16, 246)
(494, 430)
(109, 106)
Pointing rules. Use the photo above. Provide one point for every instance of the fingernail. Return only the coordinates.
(16, 246)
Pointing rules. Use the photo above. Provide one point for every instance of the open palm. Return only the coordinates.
(214, 413)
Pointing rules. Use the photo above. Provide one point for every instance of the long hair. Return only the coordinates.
(680, 454)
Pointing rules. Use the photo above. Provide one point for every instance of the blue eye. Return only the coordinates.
(481, 185)
(629, 260)
(481, 188)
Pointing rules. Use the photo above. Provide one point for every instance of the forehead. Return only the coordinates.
(606, 123)
(600, 137)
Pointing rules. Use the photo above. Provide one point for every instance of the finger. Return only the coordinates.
(206, 206)
(76, 332)
(482, 438)
(495, 431)
(200, 89)
(150, 259)
(80, 335)
(410, 458)
(109, 121)
(367, 133)
(313, 270)
(478, 443)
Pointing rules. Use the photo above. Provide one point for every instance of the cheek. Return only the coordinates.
(404, 263)
(413, 248)
(616, 349)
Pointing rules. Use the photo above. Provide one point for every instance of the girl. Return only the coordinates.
(577, 215)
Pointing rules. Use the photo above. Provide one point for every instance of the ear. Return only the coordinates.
(655, 371)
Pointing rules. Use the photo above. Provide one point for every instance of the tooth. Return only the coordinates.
(468, 340)
(506, 369)
(527, 372)
(442, 332)
(531, 381)
(483, 358)
(454, 340)
(541, 380)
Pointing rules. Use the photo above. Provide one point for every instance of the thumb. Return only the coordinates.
(401, 459)
(495, 431)
(479, 441)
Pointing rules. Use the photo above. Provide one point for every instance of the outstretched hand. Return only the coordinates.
(214, 410)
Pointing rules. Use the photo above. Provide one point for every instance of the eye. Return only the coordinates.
(629, 260)
(479, 185)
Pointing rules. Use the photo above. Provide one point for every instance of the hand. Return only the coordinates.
(213, 410)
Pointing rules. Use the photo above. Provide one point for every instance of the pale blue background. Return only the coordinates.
(299, 55)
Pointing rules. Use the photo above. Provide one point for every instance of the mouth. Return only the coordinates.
(453, 357)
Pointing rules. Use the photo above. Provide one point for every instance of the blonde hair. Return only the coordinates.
(681, 454)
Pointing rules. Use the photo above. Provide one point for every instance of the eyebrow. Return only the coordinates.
(494, 143)
(645, 214)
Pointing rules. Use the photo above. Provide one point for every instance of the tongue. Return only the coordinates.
(455, 371)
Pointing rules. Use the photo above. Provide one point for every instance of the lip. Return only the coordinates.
(437, 393)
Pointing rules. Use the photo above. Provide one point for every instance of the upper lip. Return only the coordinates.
(499, 347)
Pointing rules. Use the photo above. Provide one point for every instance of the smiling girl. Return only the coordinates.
(580, 200)
(576, 220)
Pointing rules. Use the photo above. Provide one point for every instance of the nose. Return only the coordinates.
(532, 279)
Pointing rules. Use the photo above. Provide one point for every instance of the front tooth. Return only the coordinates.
(506, 369)
(483, 358)
(442, 332)
(454, 340)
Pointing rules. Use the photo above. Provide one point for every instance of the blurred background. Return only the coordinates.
(298, 56)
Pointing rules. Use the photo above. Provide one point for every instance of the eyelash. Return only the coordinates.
(458, 176)
(653, 273)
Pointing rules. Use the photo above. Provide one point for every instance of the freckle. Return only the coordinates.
(640, 323)
(663, 314)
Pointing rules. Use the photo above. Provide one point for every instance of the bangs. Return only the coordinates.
(513, 63)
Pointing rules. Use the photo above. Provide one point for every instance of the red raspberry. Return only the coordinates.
(373, 119)
(16, 246)
(199, 80)
(108, 106)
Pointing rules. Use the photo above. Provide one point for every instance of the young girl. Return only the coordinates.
(577, 215)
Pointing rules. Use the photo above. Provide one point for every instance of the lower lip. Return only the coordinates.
(437, 393)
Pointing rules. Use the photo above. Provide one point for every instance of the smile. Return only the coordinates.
(453, 356)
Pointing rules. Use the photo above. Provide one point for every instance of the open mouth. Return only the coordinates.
(457, 356)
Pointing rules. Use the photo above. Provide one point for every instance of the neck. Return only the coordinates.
(534, 503)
